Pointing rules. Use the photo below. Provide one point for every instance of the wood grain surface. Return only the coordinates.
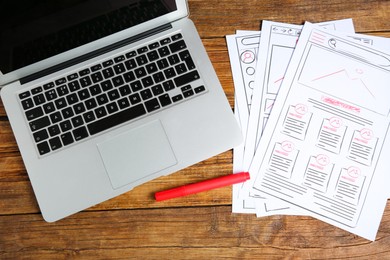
(201, 226)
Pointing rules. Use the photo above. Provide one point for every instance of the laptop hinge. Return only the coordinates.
(94, 54)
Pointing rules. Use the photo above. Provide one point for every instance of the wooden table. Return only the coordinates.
(199, 226)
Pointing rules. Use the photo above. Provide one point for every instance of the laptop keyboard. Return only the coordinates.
(82, 104)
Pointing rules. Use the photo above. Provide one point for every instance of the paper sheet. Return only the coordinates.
(242, 48)
(326, 142)
(276, 48)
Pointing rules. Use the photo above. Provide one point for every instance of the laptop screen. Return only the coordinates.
(31, 31)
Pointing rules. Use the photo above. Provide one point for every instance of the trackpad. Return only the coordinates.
(137, 154)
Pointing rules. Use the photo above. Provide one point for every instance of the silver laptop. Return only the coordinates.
(104, 95)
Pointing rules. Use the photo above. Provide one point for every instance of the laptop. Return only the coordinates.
(104, 95)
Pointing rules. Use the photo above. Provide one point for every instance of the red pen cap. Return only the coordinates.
(202, 186)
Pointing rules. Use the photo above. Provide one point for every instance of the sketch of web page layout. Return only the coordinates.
(328, 129)
(276, 48)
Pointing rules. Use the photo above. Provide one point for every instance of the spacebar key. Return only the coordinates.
(116, 119)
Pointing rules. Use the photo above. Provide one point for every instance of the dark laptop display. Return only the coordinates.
(31, 31)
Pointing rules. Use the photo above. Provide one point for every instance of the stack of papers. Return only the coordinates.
(314, 107)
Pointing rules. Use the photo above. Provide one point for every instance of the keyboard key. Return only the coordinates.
(131, 54)
(169, 73)
(51, 94)
(119, 68)
(49, 107)
(165, 41)
(119, 58)
(36, 90)
(77, 121)
(186, 57)
(24, 94)
(140, 72)
(96, 67)
(177, 98)
(60, 103)
(80, 133)
(188, 93)
(154, 45)
(199, 89)
(72, 99)
(116, 119)
(95, 90)
(130, 64)
(136, 86)
(129, 76)
(48, 85)
(141, 60)
(158, 77)
(163, 51)
(108, 73)
(157, 90)
(43, 148)
(84, 94)
(102, 99)
(67, 112)
(40, 135)
(108, 63)
(112, 107)
(84, 72)
(90, 103)
(147, 81)
(65, 125)
(72, 77)
(180, 68)
(174, 59)
(34, 113)
(177, 46)
(27, 103)
(60, 81)
(39, 99)
(39, 123)
(151, 68)
(162, 64)
(79, 108)
(85, 81)
(96, 77)
(74, 86)
(146, 94)
(67, 138)
(100, 112)
(123, 103)
(135, 98)
(125, 90)
(152, 105)
(89, 116)
(54, 130)
(186, 78)
(62, 90)
(55, 117)
(153, 55)
(55, 143)
(168, 85)
(113, 94)
(118, 81)
(142, 50)
(165, 100)
(106, 85)
(177, 37)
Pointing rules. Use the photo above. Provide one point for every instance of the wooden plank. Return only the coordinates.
(185, 233)
(225, 16)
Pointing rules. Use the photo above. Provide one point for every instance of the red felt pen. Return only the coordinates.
(202, 186)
